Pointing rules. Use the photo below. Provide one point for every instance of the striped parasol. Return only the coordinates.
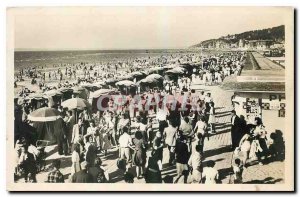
(45, 114)
(76, 103)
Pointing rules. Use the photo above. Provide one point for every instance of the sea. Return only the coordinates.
(23, 59)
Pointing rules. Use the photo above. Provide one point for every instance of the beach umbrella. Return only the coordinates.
(76, 103)
(37, 96)
(147, 81)
(126, 83)
(170, 66)
(53, 92)
(99, 83)
(157, 68)
(44, 114)
(112, 81)
(154, 76)
(137, 74)
(78, 89)
(88, 85)
(102, 92)
(177, 70)
(65, 89)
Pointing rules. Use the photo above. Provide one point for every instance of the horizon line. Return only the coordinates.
(93, 49)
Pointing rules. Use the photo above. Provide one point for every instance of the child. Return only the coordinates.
(238, 171)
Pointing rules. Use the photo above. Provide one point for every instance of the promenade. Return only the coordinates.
(265, 63)
(217, 148)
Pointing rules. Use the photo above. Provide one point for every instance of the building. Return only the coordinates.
(260, 93)
(259, 44)
(241, 43)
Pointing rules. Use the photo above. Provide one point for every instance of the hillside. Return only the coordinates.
(274, 33)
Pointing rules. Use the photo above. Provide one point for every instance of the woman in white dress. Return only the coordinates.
(245, 146)
(75, 159)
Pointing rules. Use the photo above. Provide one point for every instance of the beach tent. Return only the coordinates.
(46, 123)
(49, 131)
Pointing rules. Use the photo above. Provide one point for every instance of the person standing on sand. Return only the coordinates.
(125, 142)
(235, 129)
(139, 158)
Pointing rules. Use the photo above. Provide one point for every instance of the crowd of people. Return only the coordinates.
(139, 136)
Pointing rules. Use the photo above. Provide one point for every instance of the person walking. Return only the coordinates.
(153, 172)
(170, 139)
(182, 157)
(201, 127)
(195, 164)
(158, 146)
(211, 117)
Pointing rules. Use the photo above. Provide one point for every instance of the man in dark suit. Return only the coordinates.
(235, 129)
(82, 176)
(61, 136)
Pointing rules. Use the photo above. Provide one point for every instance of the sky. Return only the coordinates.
(134, 27)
